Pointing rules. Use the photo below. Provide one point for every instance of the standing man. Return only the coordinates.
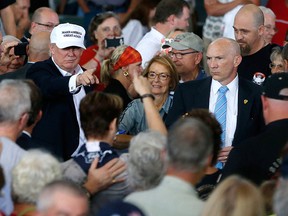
(15, 106)
(263, 159)
(43, 19)
(189, 150)
(187, 53)
(243, 104)
(170, 14)
(249, 33)
(63, 84)
(269, 24)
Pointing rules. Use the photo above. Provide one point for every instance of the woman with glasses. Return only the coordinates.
(162, 75)
(102, 26)
(277, 62)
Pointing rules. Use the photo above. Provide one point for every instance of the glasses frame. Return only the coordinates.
(271, 66)
(49, 26)
(180, 55)
(158, 75)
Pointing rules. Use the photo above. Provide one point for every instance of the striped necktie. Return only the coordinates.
(221, 110)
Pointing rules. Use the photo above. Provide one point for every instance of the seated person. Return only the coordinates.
(99, 114)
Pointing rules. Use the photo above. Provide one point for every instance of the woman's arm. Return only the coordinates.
(153, 118)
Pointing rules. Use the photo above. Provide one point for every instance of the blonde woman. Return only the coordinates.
(235, 196)
(162, 75)
(117, 72)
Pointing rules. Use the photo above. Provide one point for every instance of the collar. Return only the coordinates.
(77, 70)
(232, 86)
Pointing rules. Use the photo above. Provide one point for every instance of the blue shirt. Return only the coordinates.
(133, 118)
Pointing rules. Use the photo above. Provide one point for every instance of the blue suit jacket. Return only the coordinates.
(196, 94)
(58, 128)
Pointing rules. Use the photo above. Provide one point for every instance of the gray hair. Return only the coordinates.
(32, 173)
(267, 11)
(280, 199)
(189, 144)
(147, 164)
(276, 53)
(14, 100)
(10, 38)
(47, 196)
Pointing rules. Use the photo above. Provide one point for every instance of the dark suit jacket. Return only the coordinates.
(196, 94)
(18, 74)
(58, 127)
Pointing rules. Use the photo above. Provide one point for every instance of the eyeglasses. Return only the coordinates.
(279, 66)
(48, 26)
(180, 55)
(269, 28)
(161, 76)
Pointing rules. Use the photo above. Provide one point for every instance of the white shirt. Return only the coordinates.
(76, 98)
(232, 106)
(149, 45)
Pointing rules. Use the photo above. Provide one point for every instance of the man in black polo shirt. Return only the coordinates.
(258, 158)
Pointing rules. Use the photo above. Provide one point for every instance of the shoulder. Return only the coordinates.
(248, 85)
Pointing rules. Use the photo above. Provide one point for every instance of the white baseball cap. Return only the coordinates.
(67, 35)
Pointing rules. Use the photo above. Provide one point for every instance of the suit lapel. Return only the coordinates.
(202, 95)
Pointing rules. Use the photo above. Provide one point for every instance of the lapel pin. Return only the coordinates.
(245, 101)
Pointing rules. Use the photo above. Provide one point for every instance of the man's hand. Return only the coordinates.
(6, 56)
(101, 178)
(224, 153)
(87, 78)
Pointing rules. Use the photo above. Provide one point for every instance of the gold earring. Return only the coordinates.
(125, 73)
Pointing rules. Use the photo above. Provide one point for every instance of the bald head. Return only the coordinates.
(39, 46)
(251, 13)
(223, 59)
(249, 29)
(44, 19)
(229, 44)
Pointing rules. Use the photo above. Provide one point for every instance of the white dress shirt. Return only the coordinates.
(232, 107)
(76, 98)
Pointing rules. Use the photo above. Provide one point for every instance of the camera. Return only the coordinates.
(20, 49)
(114, 42)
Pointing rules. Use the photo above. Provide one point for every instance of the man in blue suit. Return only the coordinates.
(244, 110)
(63, 84)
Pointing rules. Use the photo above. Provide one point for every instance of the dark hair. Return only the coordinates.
(36, 102)
(98, 20)
(142, 11)
(166, 8)
(97, 111)
(209, 119)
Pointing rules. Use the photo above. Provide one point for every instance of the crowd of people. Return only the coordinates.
(132, 113)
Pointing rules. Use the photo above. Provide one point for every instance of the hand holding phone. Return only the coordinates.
(114, 42)
(20, 49)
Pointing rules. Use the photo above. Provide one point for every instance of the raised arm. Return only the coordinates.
(216, 8)
(153, 118)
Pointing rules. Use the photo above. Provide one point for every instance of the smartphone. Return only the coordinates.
(114, 42)
(20, 49)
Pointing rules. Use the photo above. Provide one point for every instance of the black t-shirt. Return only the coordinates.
(258, 158)
(255, 67)
(5, 3)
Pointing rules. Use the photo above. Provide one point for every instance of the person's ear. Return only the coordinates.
(23, 121)
(113, 125)
(198, 58)
(286, 64)
(261, 30)
(237, 60)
